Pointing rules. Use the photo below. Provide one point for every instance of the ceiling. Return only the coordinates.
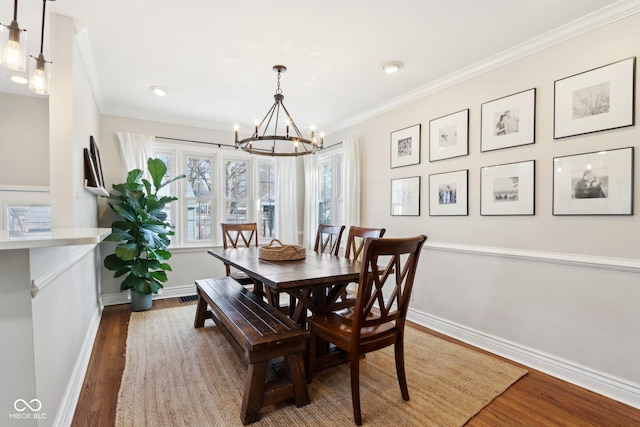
(214, 58)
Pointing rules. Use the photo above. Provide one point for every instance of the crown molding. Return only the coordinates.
(591, 22)
(88, 60)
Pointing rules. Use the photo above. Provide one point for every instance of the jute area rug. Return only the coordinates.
(176, 375)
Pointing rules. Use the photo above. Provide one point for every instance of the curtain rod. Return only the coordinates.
(220, 145)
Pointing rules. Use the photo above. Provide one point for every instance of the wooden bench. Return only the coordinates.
(259, 333)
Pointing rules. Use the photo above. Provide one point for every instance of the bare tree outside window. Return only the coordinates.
(326, 193)
(267, 197)
(198, 194)
(236, 202)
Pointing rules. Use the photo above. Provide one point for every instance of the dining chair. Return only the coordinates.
(389, 265)
(355, 243)
(356, 238)
(328, 239)
(239, 235)
(246, 235)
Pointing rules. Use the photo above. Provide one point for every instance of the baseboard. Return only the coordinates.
(590, 379)
(168, 292)
(71, 395)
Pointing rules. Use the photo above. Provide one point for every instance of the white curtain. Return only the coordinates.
(286, 200)
(310, 201)
(135, 150)
(352, 182)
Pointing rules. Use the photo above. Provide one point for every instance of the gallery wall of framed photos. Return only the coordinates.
(599, 183)
(519, 112)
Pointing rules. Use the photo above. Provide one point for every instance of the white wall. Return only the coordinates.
(559, 293)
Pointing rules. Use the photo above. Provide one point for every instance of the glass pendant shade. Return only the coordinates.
(39, 76)
(14, 47)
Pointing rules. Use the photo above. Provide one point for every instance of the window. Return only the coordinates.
(198, 196)
(236, 194)
(221, 185)
(331, 191)
(267, 198)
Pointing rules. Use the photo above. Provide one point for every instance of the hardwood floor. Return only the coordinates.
(535, 400)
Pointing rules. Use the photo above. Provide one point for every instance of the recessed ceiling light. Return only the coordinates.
(18, 79)
(158, 90)
(391, 66)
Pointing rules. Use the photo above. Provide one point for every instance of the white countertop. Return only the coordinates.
(57, 237)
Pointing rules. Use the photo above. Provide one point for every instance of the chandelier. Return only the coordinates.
(266, 141)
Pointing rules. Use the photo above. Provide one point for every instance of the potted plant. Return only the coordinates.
(143, 233)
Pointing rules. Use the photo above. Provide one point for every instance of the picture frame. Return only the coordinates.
(97, 163)
(508, 189)
(595, 100)
(405, 196)
(90, 174)
(405, 146)
(508, 121)
(448, 193)
(597, 183)
(449, 136)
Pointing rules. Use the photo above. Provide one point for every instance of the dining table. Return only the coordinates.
(317, 282)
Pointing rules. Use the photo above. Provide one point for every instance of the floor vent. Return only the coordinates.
(189, 298)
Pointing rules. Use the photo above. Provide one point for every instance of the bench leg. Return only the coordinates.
(254, 392)
(201, 312)
(296, 369)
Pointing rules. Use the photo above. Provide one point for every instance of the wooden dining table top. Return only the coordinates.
(316, 269)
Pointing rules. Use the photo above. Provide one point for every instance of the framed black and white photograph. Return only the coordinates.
(596, 100)
(508, 121)
(405, 147)
(598, 183)
(448, 193)
(405, 196)
(449, 136)
(508, 189)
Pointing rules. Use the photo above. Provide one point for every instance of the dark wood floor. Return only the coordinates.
(535, 400)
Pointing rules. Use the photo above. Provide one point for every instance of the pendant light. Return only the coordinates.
(14, 44)
(39, 75)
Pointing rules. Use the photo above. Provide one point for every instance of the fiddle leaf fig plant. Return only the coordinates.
(143, 230)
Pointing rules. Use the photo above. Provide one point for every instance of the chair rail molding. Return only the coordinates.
(618, 264)
(47, 277)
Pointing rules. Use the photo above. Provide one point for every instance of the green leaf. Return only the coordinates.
(122, 271)
(165, 267)
(157, 169)
(139, 267)
(112, 262)
(160, 276)
(155, 286)
(133, 177)
(127, 251)
(162, 254)
(132, 282)
(147, 185)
